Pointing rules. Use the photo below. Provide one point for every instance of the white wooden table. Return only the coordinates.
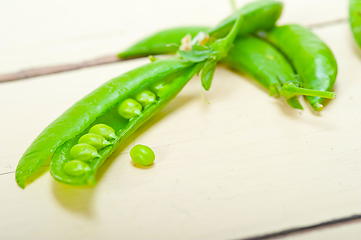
(244, 166)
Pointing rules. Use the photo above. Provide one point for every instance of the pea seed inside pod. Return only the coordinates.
(103, 130)
(84, 152)
(76, 168)
(129, 108)
(159, 88)
(96, 140)
(145, 98)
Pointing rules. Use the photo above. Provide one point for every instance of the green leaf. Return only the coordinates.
(207, 74)
(199, 47)
(221, 47)
(195, 55)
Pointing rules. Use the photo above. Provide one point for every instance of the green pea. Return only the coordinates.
(96, 140)
(84, 152)
(160, 88)
(103, 130)
(76, 168)
(145, 98)
(129, 108)
(142, 155)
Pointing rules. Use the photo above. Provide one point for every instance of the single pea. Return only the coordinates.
(96, 140)
(84, 152)
(129, 108)
(76, 168)
(145, 98)
(103, 130)
(160, 88)
(142, 155)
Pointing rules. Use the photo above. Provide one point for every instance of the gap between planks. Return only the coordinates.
(5, 173)
(36, 72)
(356, 218)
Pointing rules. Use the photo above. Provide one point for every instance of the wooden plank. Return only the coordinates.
(57, 34)
(245, 165)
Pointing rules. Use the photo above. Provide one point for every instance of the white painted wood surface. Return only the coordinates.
(245, 165)
(69, 31)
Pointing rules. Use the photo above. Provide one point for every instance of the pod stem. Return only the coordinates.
(204, 98)
(290, 90)
(113, 136)
(233, 5)
(231, 36)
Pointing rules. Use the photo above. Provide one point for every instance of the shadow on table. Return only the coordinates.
(81, 199)
(75, 199)
(40, 172)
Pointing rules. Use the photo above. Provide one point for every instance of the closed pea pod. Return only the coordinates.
(263, 62)
(258, 15)
(100, 107)
(163, 42)
(355, 19)
(260, 60)
(310, 56)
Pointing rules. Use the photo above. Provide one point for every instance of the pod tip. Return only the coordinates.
(317, 106)
(20, 180)
(21, 184)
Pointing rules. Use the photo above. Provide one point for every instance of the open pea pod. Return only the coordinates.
(163, 78)
(313, 61)
(258, 15)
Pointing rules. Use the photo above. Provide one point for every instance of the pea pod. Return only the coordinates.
(100, 107)
(310, 56)
(263, 62)
(163, 42)
(259, 15)
(355, 19)
(211, 53)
